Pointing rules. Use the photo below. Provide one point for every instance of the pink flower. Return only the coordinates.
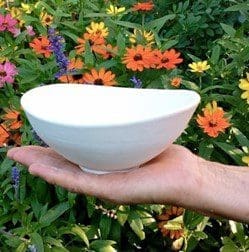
(8, 23)
(30, 30)
(7, 73)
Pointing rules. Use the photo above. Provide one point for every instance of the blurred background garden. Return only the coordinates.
(200, 45)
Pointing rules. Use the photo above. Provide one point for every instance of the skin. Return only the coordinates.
(175, 177)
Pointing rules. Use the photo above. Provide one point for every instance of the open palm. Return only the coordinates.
(159, 181)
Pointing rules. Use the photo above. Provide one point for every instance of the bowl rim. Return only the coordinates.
(192, 105)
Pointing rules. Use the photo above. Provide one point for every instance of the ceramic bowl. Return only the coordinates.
(106, 129)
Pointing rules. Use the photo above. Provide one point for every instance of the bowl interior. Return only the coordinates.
(92, 105)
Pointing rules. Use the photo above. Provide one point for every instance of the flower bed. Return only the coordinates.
(197, 45)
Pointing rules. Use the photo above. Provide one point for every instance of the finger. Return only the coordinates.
(27, 155)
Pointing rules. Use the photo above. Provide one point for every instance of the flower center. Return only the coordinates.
(48, 19)
(212, 124)
(165, 60)
(137, 57)
(77, 76)
(3, 74)
(98, 82)
(91, 42)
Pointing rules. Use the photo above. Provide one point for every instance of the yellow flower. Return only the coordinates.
(139, 37)
(98, 29)
(244, 85)
(46, 19)
(17, 14)
(27, 8)
(199, 67)
(2, 3)
(245, 159)
(114, 10)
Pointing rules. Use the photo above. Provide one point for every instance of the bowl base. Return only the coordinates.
(99, 172)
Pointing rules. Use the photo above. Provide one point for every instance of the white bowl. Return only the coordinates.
(106, 129)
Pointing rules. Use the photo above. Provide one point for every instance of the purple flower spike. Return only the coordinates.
(57, 46)
(137, 82)
(15, 176)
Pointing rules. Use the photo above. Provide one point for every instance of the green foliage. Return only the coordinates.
(50, 218)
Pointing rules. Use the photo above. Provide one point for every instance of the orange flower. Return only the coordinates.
(166, 217)
(4, 135)
(106, 51)
(15, 139)
(138, 58)
(176, 81)
(144, 6)
(100, 77)
(74, 64)
(213, 121)
(12, 119)
(95, 40)
(168, 59)
(41, 46)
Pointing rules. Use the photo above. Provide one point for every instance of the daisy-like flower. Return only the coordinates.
(74, 66)
(199, 67)
(8, 72)
(12, 119)
(213, 121)
(143, 6)
(98, 29)
(46, 19)
(139, 57)
(245, 159)
(168, 59)
(94, 40)
(244, 85)
(114, 10)
(176, 81)
(17, 14)
(172, 214)
(27, 8)
(8, 23)
(41, 45)
(101, 77)
(142, 37)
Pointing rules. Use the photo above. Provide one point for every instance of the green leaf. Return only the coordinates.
(105, 226)
(80, 232)
(158, 23)
(235, 153)
(53, 214)
(6, 165)
(128, 24)
(122, 214)
(103, 246)
(121, 44)
(88, 55)
(137, 226)
(22, 247)
(199, 235)
(229, 248)
(242, 139)
(238, 7)
(190, 85)
(36, 239)
(215, 54)
(206, 149)
(228, 29)
(192, 219)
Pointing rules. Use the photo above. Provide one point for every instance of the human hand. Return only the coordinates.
(168, 178)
